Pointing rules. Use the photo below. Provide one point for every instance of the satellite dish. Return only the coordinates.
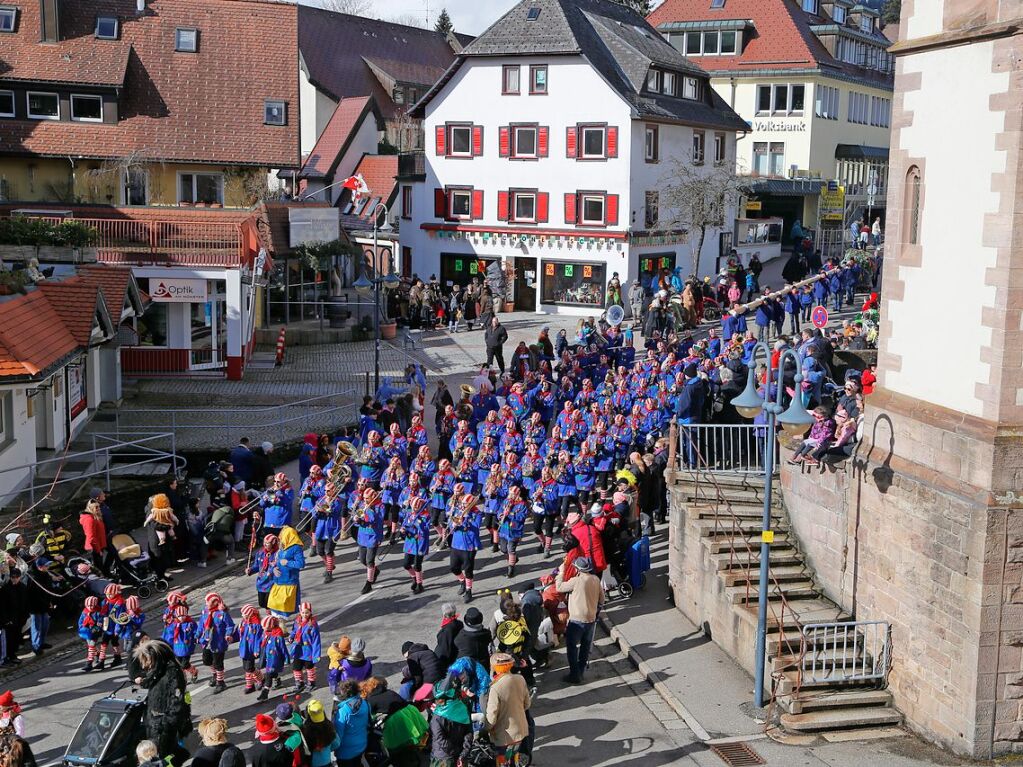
(615, 315)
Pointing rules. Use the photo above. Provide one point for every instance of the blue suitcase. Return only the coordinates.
(637, 561)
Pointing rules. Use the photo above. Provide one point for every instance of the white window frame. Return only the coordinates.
(452, 193)
(810, 6)
(698, 36)
(28, 105)
(653, 80)
(583, 199)
(125, 194)
(267, 104)
(691, 88)
(179, 33)
(839, 15)
(603, 142)
(735, 42)
(8, 12)
(777, 88)
(451, 140)
(515, 217)
(13, 106)
(515, 152)
(771, 154)
(826, 101)
(716, 36)
(867, 24)
(195, 184)
(86, 97)
(669, 84)
(773, 89)
(699, 147)
(792, 91)
(7, 433)
(651, 140)
(117, 28)
(720, 148)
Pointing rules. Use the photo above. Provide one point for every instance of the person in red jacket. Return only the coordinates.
(91, 520)
(867, 379)
(588, 542)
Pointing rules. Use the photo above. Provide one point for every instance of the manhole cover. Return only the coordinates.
(737, 754)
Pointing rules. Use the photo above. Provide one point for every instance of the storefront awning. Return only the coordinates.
(860, 152)
(786, 187)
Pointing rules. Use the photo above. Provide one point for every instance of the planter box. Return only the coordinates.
(48, 254)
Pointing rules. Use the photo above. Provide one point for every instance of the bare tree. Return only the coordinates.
(698, 198)
(351, 7)
(409, 20)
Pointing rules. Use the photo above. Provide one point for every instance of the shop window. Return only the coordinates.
(759, 233)
(152, 325)
(572, 283)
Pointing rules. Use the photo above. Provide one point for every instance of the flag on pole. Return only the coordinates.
(358, 186)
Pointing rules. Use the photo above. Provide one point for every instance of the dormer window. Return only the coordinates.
(670, 84)
(810, 6)
(398, 95)
(653, 81)
(88, 109)
(867, 24)
(107, 27)
(838, 14)
(186, 40)
(691, 89)
(8, 18)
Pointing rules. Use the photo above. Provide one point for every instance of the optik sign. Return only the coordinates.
(177, 291)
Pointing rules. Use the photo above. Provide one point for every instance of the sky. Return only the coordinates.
(469, 16)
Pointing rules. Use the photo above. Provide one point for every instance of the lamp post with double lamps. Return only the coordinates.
(388, 282)
(794, 421)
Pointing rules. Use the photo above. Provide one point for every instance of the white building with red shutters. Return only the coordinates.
(549, 142)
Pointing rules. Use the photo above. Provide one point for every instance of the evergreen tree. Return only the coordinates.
(444, 25)
(642, 7)
(891, 11)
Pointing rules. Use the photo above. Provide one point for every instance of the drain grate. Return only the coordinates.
(737, 754)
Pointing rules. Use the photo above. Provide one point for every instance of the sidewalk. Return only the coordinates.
(705, 688)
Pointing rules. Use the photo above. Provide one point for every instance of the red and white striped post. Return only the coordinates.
(280, 348)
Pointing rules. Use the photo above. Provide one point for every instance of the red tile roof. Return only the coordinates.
(337, 134)
(113, 281)
(378, 171)
(333, 45)
(74, 300)
(189, 107)
(33, 337)
(783, 37)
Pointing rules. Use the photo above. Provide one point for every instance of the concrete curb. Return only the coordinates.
(62, 648)
(653, 678)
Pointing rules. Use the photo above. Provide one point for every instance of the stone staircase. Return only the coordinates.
(730, 534)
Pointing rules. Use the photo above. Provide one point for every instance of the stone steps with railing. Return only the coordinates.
(821, 663)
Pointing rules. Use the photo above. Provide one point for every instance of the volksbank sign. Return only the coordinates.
(778, 126)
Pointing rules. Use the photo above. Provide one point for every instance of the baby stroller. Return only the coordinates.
(621, 582)
(132, 567)
(109, 731)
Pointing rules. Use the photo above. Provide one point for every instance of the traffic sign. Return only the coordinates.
(819, 317)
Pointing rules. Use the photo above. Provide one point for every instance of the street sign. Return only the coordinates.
(819, 317)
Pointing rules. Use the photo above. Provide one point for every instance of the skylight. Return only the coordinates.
(533, 14)
(717, 3)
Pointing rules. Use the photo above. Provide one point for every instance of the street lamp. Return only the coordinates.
(795, 420)
(388, 282)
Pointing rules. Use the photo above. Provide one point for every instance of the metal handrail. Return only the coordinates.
(295, 403)
(117, 448)
(860, 651)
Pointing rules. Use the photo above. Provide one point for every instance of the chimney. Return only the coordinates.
(49, 21)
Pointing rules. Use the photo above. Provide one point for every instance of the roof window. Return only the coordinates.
(186, 40)
(8, 17)
(106, 27)
(717, 3)
(533, 13)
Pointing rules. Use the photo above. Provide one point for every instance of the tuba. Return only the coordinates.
(343, 452)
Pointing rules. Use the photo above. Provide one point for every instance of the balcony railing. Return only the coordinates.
(182, 243)
(411, 164)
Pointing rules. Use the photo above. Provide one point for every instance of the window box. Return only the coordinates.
(87, 109)
(577, 283)
(538, 80)
(201, 188)
(510, 85)
(43, 106)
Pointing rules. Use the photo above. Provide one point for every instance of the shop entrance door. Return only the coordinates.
(525, 284)
(209, 332)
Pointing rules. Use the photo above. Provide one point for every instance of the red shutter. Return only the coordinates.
(440, 203)
(477, 140)
(570, 144)
(612, 142)
(504, 141)
(542, 206)
(502, 206)
(611, 210)
(477, 204)
(541, 141)
(441, 143)
(570, 201)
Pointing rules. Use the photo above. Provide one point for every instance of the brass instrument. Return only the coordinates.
(343, 452)
(364, 455)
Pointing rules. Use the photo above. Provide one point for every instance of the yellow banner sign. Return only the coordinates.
(832, 203)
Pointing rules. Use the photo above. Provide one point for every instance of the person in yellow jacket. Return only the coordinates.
(285, 594)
